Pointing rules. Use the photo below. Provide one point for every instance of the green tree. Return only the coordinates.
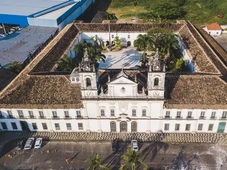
(132, 160)
(110, 16)
(180, 65)
(141, 42)
(167, 9)
(118, 43)
(15, 67)
(95, 54)
(95, 163)
(66, 64)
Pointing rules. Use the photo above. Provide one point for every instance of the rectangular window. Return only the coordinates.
(177, 127)
(66, 114)
(14, 125)
(80, 126)
(10, 114)
(112, 112)
(128, 36)
(54, 113)
(224, 114)
(78, 113)
(44, 126)
(166, 127)
(112, 36)
(167, 114)
(213, 115)
(202, 115)
(102, 112)
(187, 127)
(34, 126)
(178, 114)
(68, 126)
(20, 113)
(4, 126)
(200, 127)
(31, 115)
(134, 112)
(41, 115)
(189, 114)
(144, 112)
(210, 128)
(57, 126)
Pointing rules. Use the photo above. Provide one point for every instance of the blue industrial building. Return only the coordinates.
(48, 13)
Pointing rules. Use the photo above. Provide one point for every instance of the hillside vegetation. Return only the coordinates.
(196, 11)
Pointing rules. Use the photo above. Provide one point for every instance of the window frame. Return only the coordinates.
(112, 112)
(80, 127)
(166, 127)
(68, 126)
(4, 126)
(200, 127)
(78, 113)
(210, 127)
(187, 127)
(44, 125)
(134, 112)
(177, 127)
(34, 126)
(66, 113)
(20, 113)
(57, 126)
(14, 127)
(144, 113)
(102, 112)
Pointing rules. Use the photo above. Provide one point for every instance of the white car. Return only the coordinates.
(38, 143)
(135, 145)
(29, 143)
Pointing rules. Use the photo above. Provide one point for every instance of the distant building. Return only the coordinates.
(213, 29)
(47, 13)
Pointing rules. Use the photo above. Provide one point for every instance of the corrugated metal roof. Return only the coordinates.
(17, 46)
(27, 7)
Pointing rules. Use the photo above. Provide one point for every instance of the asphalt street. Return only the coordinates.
(157, 155)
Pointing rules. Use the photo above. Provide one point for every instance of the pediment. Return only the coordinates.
(122, 80)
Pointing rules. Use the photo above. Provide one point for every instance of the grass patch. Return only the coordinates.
(197, 11)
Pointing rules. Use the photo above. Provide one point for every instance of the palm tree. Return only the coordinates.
(95, 163)
(96, 55)
(141, 42)
(131, 160)
(169, 45)
(66, 64)
(15, 67)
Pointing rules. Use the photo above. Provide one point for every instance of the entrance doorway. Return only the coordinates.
(24, 126)
(123, 126)
(221, 127)
(112, 126)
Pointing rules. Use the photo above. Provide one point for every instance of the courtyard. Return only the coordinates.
(127, 58)
(156, 155)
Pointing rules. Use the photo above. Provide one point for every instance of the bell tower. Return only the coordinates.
(85, 75)
(156, 78)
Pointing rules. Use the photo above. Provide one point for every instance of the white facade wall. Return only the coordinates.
(92, 120)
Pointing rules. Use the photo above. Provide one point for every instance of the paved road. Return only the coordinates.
(156, 155)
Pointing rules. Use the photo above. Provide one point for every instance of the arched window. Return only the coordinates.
(112, 112)
(134, 112)
(102, 112)
(144, 112)
(112, 126)
(134, 126)
(73, 79)
(156, 81)
(88, 82)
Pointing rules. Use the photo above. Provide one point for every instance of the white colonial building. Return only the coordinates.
(119, 96)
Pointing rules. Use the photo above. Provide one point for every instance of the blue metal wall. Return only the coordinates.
(14, 19)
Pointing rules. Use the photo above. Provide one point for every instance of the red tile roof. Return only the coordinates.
(213, 26)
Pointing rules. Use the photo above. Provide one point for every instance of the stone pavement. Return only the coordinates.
(208, 138)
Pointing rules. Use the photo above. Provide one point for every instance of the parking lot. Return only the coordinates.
(52, 156)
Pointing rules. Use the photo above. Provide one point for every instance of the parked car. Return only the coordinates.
(115, 145)
(38, 143)
(135, 145)
(20, 145)
(29, 143)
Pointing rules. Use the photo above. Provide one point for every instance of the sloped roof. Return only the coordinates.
(96, 27)
(44, 92)
(195, 91)
(213, 26)
(5, 77)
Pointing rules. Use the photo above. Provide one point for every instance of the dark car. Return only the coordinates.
(115, 145)
(20, 145)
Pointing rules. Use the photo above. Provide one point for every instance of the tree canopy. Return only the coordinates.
(15, 67)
